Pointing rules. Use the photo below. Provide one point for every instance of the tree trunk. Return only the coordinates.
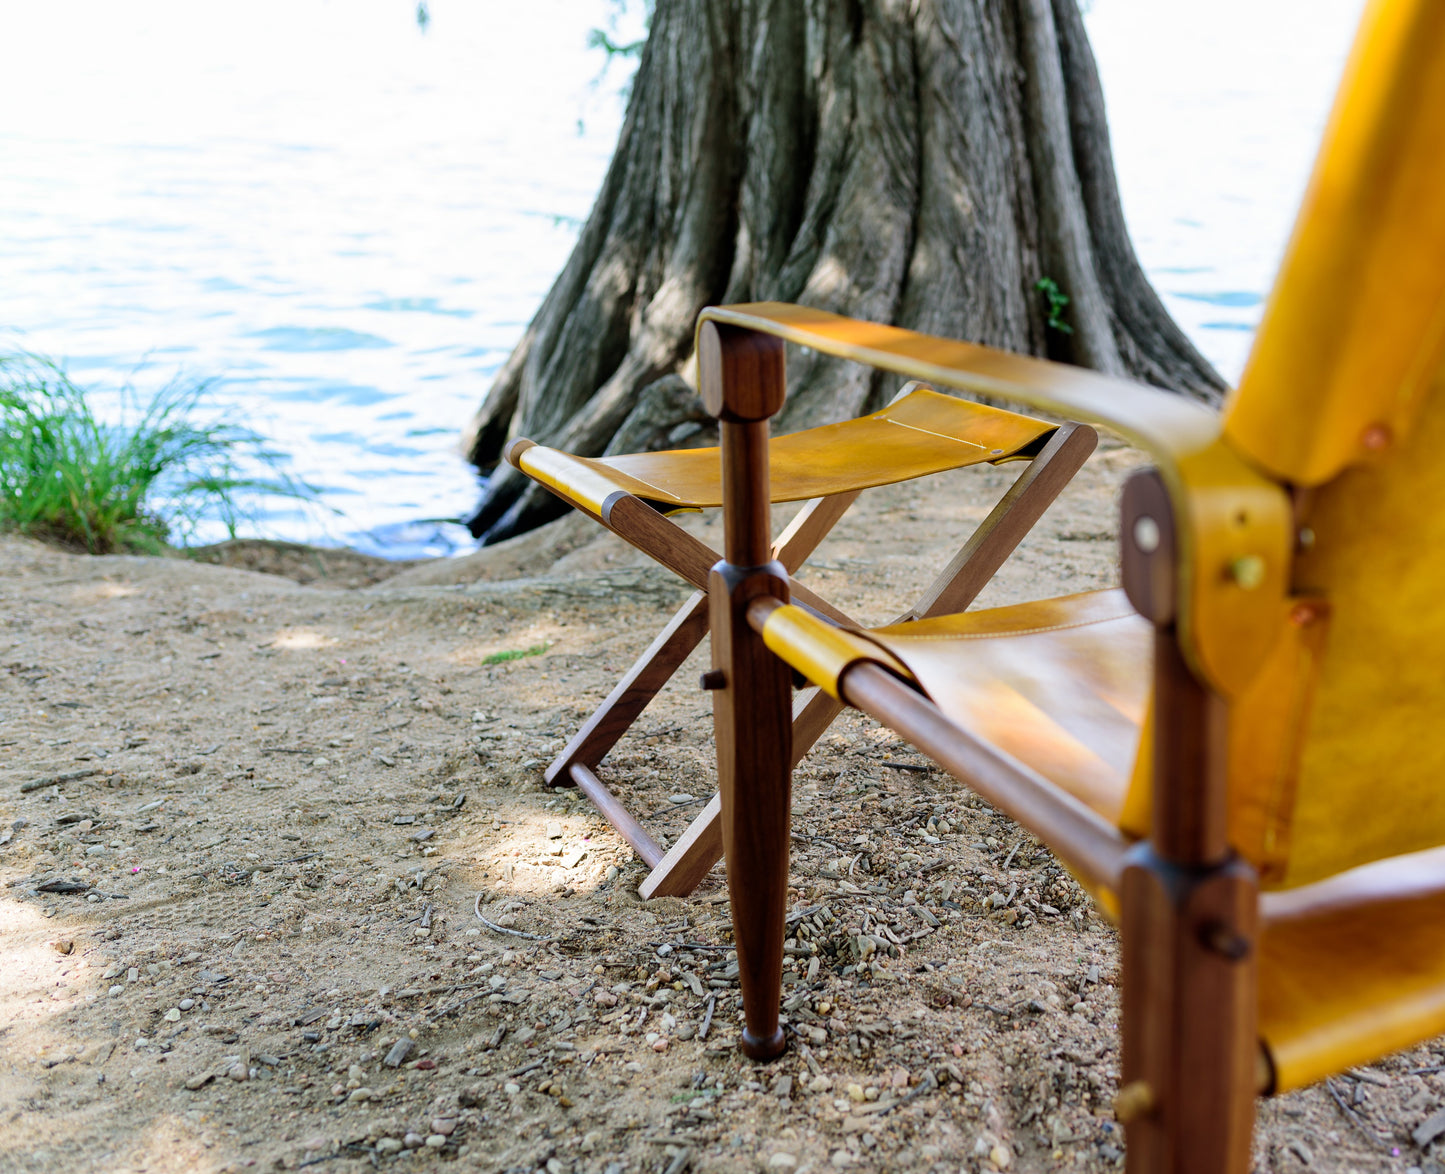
(921, 162)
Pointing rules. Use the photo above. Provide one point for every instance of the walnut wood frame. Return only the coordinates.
(1189, 906)
(677, 871)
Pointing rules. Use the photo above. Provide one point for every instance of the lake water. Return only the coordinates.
(348, 222)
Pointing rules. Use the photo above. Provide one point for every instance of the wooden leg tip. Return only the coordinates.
(764, 1048)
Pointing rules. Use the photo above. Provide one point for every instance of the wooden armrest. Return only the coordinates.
(1233, 526)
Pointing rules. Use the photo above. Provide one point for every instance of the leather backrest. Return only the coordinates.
(1343, 398)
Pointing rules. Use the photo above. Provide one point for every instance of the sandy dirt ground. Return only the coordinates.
(248, 822)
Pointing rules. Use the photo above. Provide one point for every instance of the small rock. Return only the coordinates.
(312, 1144)
(321, 761)
(446, 1126)
(132, 975)
(554, 830)
(820, 1083)
(783, 1086)
(782, 1161)
(388, 1145)
(660, 1045)
(680, 797)
(1001, 1156)
(436, 1141)
(173, 1015)
(612, 872)
(855, 1093)
(63, 945)
(117, 990)
(413, 1141)
(186, 1004)
(1429, 1129)
(200, 1081)
(361, 1095)
(239, 1072)
(511, 1088)
(399, 1052)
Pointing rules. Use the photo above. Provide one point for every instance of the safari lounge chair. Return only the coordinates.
(919, 433)
(1239, 753)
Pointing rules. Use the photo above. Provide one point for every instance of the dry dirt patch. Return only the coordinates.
(278, 809)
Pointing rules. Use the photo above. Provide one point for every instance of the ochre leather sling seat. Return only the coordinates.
(920, 433)
(1247, 772)
(1059, 684)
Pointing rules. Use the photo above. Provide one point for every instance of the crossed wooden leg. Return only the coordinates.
(679, 870)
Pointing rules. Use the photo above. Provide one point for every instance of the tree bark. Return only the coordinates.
(920, 162)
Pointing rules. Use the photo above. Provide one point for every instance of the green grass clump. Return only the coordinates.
(517, 654)
(140, 483)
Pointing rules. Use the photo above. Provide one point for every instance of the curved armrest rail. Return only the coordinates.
(1233, 525)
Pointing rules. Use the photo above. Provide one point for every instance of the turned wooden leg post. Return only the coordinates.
(1190, 906)
(743, 385)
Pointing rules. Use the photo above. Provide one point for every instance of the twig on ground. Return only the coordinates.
(492, 925)
(1354, 1118)
(707, 1017)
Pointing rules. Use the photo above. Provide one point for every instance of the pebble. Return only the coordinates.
(436, 1141)
(511, 1088)
(173, 1015)
(63, 945)
(388, 1145)
(399, 1052)
(361, 1095)
(660, 1045)
(132, 975)
(613, 872)
(782, 1161)
(322, 761)
(239, 1072)
(186, 1004)
(554, 830)
(200, 1081)
(855, 1093)
(1001, 1156)
(413, 1141)
(117, 990)
(446, 1126)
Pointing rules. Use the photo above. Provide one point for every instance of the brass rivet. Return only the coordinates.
(1247, 572)
(1376, 438)
(1135, 1100)
(1146, 534)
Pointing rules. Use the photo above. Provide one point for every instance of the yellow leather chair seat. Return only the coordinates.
(1353, 967)
(921, 433)
(1060, 684)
